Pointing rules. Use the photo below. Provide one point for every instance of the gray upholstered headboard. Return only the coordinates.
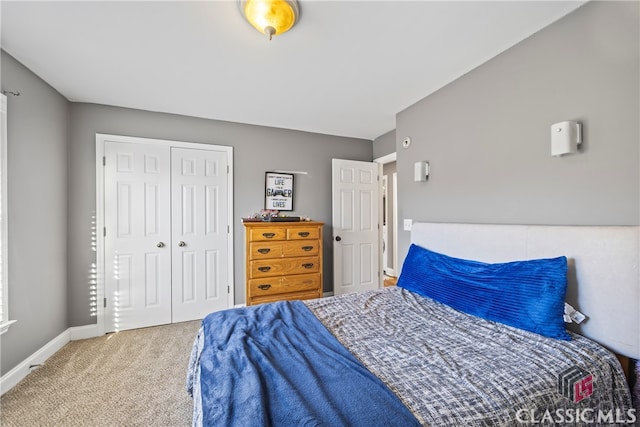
(603, 278)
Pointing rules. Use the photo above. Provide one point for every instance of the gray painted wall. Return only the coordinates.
(256, 150)
(384, 144)
(486, 135)
(37, 202)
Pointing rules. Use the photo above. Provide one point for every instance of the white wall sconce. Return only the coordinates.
(420, 171)
(565, 138)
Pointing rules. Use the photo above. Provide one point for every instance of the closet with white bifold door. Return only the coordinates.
(167, 235)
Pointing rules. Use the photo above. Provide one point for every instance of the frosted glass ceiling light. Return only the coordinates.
(270, 17)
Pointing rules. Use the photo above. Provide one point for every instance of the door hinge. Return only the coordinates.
(105, 303)
(228, 169)
(104, 231)
(228, 289)
(104, 160)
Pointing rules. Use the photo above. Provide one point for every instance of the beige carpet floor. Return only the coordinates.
(129, 378)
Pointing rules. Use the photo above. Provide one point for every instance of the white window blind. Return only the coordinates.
(3, 136)
(4, 300)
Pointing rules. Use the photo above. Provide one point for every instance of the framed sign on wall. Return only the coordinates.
(278, 192)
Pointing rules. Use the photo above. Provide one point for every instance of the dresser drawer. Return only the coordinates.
(268, 250)
(279, 285)
(303, 282)
(284, 297)
(298, 233)
(283, 266)
(301, 248)
(267, 234)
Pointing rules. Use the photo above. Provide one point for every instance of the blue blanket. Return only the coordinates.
(277, 365)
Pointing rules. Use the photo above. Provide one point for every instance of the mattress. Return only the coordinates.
(447, 368)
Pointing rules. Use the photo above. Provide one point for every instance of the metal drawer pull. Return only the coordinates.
(269, 235)
(308, 265)
(307, 248)
(264, 287)
(263, 269)
(264, 250)
(303, 233)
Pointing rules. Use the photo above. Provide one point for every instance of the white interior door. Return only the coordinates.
(200, 234)
(137, 236)
(356, 231)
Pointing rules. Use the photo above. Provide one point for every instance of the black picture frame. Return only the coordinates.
(278, 191)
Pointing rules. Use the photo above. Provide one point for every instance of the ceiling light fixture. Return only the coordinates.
(270, 17)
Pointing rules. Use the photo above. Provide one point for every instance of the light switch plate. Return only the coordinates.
(407, 224)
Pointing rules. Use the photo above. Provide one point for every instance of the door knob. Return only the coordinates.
(181, 243)
(160, 245)
(338, 238)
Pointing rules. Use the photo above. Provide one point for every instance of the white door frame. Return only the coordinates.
(384, 218)
(96, 281)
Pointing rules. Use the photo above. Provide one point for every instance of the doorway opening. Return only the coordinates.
(389, 220)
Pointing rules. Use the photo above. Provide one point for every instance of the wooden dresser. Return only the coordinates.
(283, 261)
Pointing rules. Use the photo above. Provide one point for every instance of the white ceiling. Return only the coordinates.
(345, 69)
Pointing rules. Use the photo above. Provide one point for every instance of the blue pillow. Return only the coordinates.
(525, 294)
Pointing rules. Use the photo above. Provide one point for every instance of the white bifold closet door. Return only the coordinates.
(199, 233)
(166, 234)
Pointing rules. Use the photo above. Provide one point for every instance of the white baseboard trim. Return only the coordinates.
(17, 374)
(83, 332)
(327, 294)
(14, 376)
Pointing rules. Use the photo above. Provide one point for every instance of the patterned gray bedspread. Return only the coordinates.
(453, 369)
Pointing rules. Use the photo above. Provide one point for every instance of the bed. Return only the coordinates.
(409, 355)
